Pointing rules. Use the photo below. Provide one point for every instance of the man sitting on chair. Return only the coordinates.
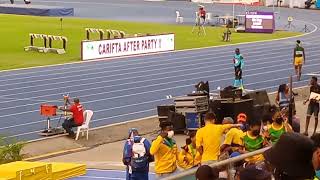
(77, 117)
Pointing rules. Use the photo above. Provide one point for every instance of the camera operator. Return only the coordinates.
(76, 119)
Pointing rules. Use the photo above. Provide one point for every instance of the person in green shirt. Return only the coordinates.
(253, 140)
(278, 127)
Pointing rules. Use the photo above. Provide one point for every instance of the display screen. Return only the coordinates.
(262, 22)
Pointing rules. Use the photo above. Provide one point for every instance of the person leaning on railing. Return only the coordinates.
(291, 157)
(278, 127)
(189, 157)
(234, 138)
(208, 138)
(253, 140)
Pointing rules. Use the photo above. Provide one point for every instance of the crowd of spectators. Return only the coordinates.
(291, 156)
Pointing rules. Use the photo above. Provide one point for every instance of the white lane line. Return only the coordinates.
(159, 90)
(133, 88)
(118, 68)
(116, 116)
(142, 72)
(137, 87)
(128, 78)
(214, 48)
(312, 74)
(96, 111)
(148, 59)
(27, 99)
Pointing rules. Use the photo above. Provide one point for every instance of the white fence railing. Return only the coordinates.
(191, 172)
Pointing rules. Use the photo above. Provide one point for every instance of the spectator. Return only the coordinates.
(313, 107)
(76, 119)
(136, 156)
(266, 121)
(234, 138)
(202, 14)
(295, 122)
(253, 141)
(189, 157)
(252, 172)
(283, 96)
(316, 155)
(295, 119)
(291, 157)
(165, 151)
(207, 138)
(278, 127)
(205, 172)
(227, 120)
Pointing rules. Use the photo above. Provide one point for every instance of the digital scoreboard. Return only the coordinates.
(259, 22)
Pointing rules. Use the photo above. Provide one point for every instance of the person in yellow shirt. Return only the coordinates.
(234, 137)
(165, 151)
(208, 138)
(189, 157)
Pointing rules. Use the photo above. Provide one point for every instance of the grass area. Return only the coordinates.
(14, 35)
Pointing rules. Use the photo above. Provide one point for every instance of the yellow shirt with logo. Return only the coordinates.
(209, 138)
(165, 156)
(190, 158)
(234, 136)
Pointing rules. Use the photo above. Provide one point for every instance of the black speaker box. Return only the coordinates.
(178, 121)
(261, 103)
(233, 108)
(163, 110)
(215, 106)
(258, 97)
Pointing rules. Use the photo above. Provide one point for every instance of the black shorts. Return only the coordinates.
(237, 74)
(313, 109)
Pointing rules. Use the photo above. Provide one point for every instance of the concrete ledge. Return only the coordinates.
(57, 145)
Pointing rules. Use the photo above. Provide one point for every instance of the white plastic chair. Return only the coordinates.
(208, 18)
(179, 18)
(87, 115)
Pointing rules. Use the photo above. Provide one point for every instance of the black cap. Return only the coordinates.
(205, 172)
(252, 172)
(292, 155)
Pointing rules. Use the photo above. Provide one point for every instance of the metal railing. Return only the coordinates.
(191, 172)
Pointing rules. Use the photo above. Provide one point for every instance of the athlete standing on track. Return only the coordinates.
(238, 66)
(298, 59)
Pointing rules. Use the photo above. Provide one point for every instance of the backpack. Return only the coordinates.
(139, 160)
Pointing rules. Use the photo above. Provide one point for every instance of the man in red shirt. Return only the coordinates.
(202, 14)
(77, 117)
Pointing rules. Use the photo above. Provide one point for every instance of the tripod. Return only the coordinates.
(305, 29)
(199, 25)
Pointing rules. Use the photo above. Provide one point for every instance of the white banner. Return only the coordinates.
(127, 46)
